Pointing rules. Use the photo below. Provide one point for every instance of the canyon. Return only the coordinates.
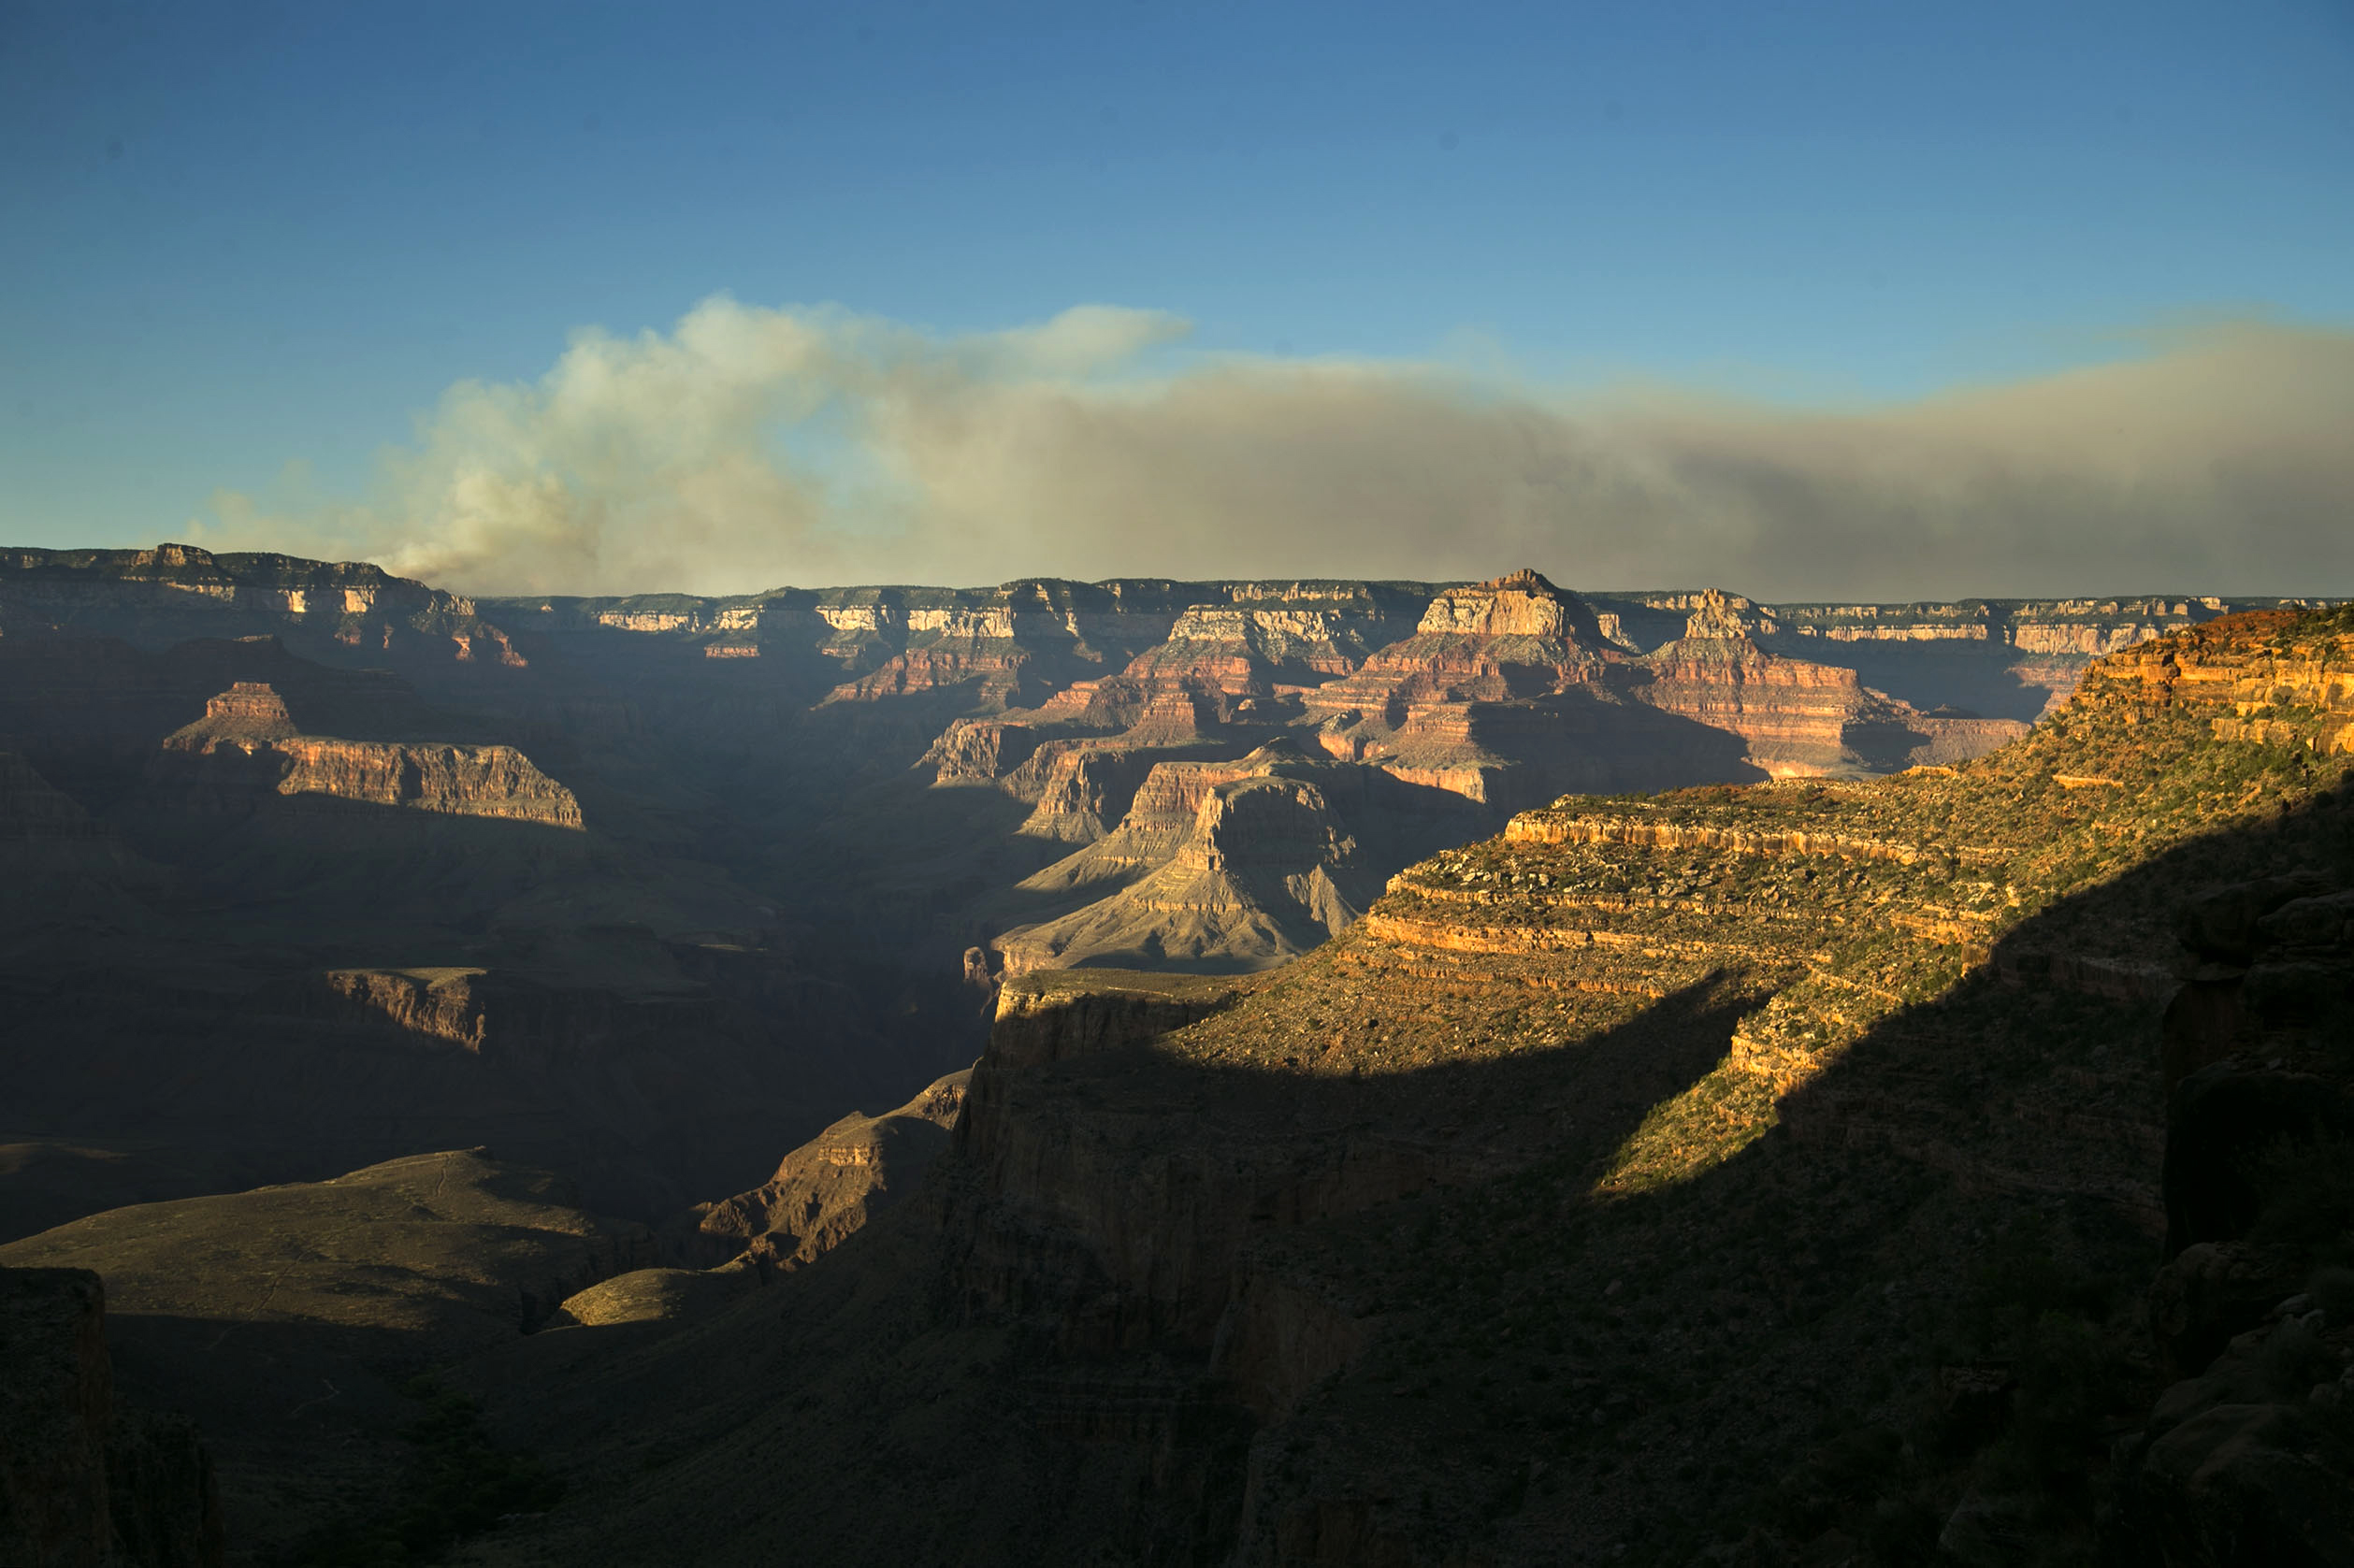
(1859, 1170)
(1473, 1073)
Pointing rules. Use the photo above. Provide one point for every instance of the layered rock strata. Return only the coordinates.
(178, 590)
(1800, 718)
(1262, 873)
(246, 743)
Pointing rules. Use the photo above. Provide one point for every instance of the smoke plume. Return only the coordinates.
(750, 448)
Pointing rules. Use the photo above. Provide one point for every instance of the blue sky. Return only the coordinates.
(233, 238)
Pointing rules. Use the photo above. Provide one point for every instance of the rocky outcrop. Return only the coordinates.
(1516, 636)
(1061, 1015)
(1799, 718)
(1247, 650)
(84, 1484)
(1507, 694)
(435, 1004)
(1518, 604)
(1559, 826)
(1079, 789)
(979, 750)
(829, 1188)
(1793, 715)
(464, 780)
(246, 745)
(1161, 816)
(1263, 874)
(665, 1296)
(2299, 695)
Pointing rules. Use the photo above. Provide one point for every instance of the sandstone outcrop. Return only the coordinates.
(829, 1186)
(1794, 715)
(1800, 718)
(1161, 816)
(246, 743)
(440, 1004)
(1516, 636)
(1246, 651)
(1262, 874)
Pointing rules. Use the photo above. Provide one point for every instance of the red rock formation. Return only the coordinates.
(946, 649)
(246, 743)
(1080, 788)
(1262, 874)
(1793, 714)
(1800, 719)
(1516, 636)
(831, 1185)
(980, 751)
(425, 1003)
(1246, 651)
(1410, 708)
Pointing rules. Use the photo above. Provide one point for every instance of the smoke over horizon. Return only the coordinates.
(751, 448)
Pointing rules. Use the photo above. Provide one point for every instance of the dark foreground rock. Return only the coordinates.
(84, 1483)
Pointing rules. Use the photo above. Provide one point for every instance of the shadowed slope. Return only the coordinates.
(285, 1318)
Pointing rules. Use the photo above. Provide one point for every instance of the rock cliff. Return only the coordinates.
(84, 1482)
(829, 1188)
(246, 743)
(2243, 1454)
(1801, 718)
(175, 592)
(1261, 874)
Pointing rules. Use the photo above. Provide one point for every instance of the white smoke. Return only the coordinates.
(750, 447)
